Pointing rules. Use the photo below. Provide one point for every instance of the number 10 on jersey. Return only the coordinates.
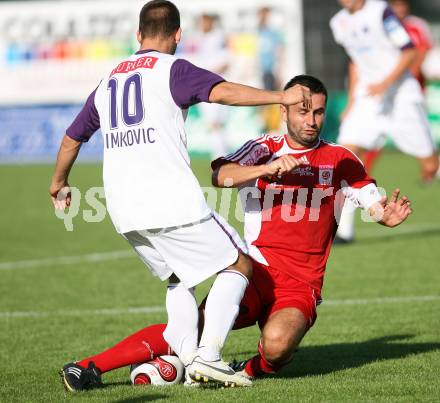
(131, 105)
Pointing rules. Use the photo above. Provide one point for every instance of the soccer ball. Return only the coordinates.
(162, 371)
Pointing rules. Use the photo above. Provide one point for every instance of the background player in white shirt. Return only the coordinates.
(384, 98)
(153, 198)
(213, 55)
(422, 39)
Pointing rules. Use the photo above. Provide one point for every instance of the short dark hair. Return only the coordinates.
(312, 83)
(159, 18)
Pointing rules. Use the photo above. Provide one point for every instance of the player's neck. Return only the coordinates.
(358, 6)
(158, 45)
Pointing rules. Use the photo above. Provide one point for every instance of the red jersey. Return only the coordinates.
(290, 222)
(421, 37)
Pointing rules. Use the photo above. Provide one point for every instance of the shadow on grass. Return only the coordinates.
(148, 397)
(320, 360)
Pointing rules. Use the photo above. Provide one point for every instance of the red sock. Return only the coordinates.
(258, 365)
(144, 345)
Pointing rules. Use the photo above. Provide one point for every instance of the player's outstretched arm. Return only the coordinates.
(406, 59)
(227, 93)
(235, 175)
(59, 188)
(393, 212)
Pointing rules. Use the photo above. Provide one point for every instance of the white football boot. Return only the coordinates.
(215, 371)
(188, 382)
(240, 368)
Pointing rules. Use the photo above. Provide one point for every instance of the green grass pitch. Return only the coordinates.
(377, 338)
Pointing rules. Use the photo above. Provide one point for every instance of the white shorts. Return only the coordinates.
(371, 119)
(193, 252)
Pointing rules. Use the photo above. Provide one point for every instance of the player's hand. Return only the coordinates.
(396, 211)
(60, 195)
(297, 95)
(281, 166)
(377, 89)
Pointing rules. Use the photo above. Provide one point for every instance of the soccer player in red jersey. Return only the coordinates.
(292, 187)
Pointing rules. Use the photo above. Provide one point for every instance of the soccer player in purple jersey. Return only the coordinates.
(140, 107)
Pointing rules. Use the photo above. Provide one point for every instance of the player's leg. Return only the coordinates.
(87, 373)
(413, 136)
(360, 132)
(280, 338)
(429, 167)
(284, 322)
(250, 309)
(345, 233)
(144, 345)
(182, 327)
(181, 331)
(370, 159)
(224, 298)
(282, 334)
(149, 343)
(222, 307)
(195, 253)
(220, 312)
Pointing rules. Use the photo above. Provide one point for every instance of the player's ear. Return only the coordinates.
(283, 111)
(178, 35)
(139, 37)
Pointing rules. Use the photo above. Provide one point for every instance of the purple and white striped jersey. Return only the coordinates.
(140, 107)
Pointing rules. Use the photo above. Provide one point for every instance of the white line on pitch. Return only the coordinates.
(83, 312)
(126, 254)
(65, 260)
(401, 230)
(381, 300)
(160, 309)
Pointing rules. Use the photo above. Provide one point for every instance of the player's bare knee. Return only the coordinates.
(430, 167)
(278, 350)
(243, 265)
(278, 347)
(433, 164)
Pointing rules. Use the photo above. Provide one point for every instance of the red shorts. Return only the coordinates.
(271, 290)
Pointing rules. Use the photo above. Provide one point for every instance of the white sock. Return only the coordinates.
(221, 310)
(181, 332)
(346, 222)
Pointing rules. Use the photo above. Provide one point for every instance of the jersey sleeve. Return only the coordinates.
(356, 184)
(395, 30)
(419, 32)
(87, 121)
(334, 28)
(351, 171)
(190, 84)
(253, 152)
